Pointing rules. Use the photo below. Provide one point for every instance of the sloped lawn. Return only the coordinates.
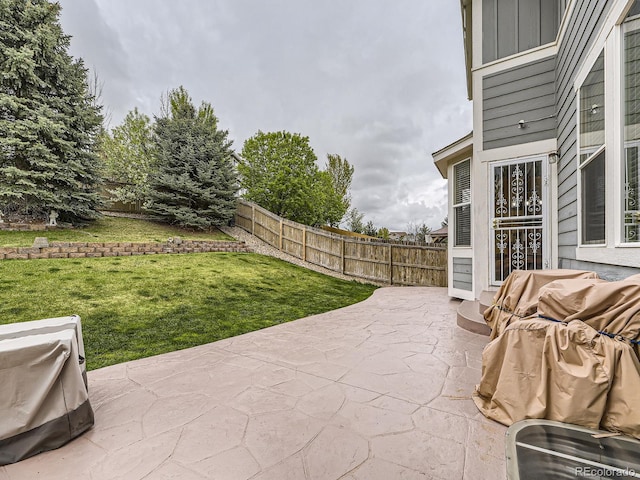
(111, 229)
(134, 307)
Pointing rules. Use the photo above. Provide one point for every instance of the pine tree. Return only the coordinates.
(48, 118)
(195, 184)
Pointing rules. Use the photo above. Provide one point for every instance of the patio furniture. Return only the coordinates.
(517, 297)
(49, 325)
(44, 401)
(575, 360)
(546, 449)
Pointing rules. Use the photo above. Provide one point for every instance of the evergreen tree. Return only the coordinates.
(195, 184)
(355, 220)
(48, 118)
(370, 229)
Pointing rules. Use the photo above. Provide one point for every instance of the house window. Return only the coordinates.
(592, 155)
(631, 105)
(462, 203)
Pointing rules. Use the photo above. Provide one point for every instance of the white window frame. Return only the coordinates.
(593, 151)
(462, 204)
(592, 156)
(615, 251)
(633, 24)
(621, 242)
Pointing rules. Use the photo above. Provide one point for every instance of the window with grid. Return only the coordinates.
(462, 203)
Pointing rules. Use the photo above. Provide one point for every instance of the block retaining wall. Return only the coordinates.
(26, 227)
(123, 249)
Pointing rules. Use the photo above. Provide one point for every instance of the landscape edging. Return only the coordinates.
(118, 249)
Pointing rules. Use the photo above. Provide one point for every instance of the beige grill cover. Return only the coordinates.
(613, 307)
(517, 298)
(43, 400)
(568, 371)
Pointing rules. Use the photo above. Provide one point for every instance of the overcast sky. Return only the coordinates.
(379, 82)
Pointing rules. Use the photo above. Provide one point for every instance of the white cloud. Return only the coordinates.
(380, 83)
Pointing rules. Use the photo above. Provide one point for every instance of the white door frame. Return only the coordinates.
(494, 220)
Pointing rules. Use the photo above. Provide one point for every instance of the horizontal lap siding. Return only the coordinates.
(524, 93)
(584, 24)
(612, 273)
(462, 273)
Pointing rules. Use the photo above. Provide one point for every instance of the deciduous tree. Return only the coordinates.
(278, 172)
(383, 233)
(418, 232)
(129, 157)
(341, 174)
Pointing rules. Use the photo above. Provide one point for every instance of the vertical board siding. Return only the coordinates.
(582, 28)
(462, 273)
(489, 32)
(550, 15)
(506, 23)
(512, 26)
(526, 93)
(391, 263)
(529, 24)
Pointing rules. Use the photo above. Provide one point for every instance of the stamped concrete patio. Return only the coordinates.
(377, 390)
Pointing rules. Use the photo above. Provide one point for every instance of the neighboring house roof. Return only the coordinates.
(458, 150)
(440, 236)
(397, 234)
(441, 232)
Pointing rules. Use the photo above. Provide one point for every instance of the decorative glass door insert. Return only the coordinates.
(518, 217)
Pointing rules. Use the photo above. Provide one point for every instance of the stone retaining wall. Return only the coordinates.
(123, 249)
(25, 227)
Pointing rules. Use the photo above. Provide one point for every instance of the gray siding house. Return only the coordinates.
(550, 175)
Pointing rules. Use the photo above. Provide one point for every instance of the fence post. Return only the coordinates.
(342, 256)
(304, 244)
(281, 234)
(253, 219)
(390, 264)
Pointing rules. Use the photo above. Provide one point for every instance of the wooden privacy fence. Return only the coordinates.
(382, 262)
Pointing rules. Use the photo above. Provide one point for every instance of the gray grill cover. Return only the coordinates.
(43, 401)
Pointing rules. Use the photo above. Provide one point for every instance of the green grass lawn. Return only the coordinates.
(134, 307)
(110, 229)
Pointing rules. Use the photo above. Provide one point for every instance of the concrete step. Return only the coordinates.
(470, 319)
(485, 300)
